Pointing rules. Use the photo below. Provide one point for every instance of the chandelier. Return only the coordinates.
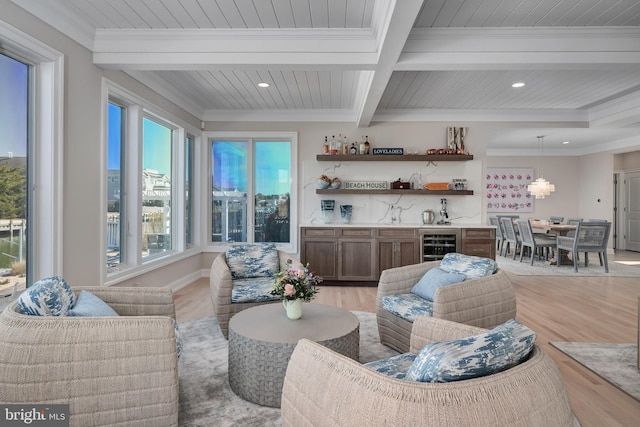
(540, 187)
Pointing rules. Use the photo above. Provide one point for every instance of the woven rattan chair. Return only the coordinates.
(110, 370)
(325, 389)
(589, 237)
(534, 242)
(485, 302)
(221, 286)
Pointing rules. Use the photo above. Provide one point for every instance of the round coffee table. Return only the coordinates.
(262, 338)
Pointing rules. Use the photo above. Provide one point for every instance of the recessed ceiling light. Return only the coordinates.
(263, 84)
(518, 84)
(566, 142)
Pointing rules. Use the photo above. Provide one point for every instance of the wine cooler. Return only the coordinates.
(437, 243)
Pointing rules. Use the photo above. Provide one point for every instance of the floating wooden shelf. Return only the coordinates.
(415, 192)
(395, 158)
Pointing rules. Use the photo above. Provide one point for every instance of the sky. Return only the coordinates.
(13, 107)
(156, 143)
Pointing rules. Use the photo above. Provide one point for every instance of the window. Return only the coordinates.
(115, 182)
(15, 84)
(251, 187)
(45, 109)
(189, 189)
(156, 187)
(149, 185)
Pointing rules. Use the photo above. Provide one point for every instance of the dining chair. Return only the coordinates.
(537, 244)
(589, 237)
(510, 235)
(556, 219)
(499, 234)
(572, 221)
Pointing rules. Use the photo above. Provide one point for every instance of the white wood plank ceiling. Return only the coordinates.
(366, 60)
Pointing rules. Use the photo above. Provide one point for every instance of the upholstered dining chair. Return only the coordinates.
(589, 237)
(556, 219)
(510, 236)
(535, 242)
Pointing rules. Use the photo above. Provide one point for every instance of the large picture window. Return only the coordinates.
(14, 166)
(251, 187)
(149, 184)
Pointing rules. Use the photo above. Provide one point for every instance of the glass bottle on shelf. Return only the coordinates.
(325, 146)
(333, 145)
(367, 146)
(345, 145)
(362, 147)
(353, 149)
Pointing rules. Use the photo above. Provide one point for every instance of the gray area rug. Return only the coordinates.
(206, 398)
(542, 268)
(616, 363)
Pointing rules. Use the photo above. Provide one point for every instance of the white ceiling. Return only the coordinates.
(362, 61)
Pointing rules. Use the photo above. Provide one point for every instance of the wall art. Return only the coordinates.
(507, 190)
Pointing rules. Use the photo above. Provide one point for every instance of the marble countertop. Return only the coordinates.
(402, 225)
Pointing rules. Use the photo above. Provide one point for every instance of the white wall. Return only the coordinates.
(560, 171)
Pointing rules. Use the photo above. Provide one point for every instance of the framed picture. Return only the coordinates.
(507, 190)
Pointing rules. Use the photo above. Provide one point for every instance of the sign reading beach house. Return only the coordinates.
(365, 185)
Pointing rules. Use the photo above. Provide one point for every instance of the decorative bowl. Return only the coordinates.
(322, 184)
(335, 184)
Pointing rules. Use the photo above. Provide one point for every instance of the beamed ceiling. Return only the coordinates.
(362, 61)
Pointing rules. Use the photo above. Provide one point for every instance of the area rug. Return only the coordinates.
(542, 268)
(616, 363)
(206, 398)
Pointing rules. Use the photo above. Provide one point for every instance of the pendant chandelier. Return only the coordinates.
(540, 187)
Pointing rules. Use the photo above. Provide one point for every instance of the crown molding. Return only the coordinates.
(279, 116)
(483, 115)
(521, 48)
(620, 112)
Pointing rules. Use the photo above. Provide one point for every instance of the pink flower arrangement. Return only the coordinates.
(295, 283)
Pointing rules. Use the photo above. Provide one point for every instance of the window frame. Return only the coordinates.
(47, 128)
(138, 108)
(253, 136)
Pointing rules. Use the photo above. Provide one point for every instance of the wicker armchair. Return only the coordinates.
(221, 285)
(110, 370)
(323, 388)
(484, 302)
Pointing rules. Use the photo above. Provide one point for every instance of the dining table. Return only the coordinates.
(540, 225)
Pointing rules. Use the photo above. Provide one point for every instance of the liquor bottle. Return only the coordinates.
(367, 146)
(345, 145)
(333, 147)
(325, 146)
(353, 149)
(362, 146)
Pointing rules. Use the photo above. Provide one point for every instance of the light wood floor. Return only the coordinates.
(584, 309)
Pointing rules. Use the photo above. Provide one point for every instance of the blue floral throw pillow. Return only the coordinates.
(433, 279)
(496, 350)
(89, 305)
(253, 260)
(51, 296)
(471, 266)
